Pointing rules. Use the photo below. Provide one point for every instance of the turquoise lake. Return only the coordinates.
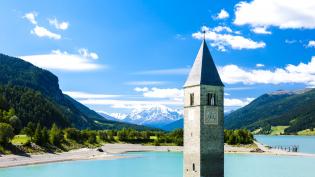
(169, 164)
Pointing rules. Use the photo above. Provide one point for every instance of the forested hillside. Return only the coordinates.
(293, 109)
(35, 96)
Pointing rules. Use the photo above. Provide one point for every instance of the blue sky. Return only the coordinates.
(115, 56)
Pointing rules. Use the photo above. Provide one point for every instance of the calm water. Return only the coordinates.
(167, 164)
(306, 143)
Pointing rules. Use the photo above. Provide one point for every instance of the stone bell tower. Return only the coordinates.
(203, 118)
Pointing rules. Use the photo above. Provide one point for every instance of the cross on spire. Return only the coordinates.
(204, 34)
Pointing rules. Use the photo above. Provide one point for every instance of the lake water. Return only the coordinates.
(169, 164)
(305, 143)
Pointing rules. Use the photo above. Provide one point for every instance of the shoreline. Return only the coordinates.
(117, 151)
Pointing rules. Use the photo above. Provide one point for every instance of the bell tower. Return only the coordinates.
(203, 118)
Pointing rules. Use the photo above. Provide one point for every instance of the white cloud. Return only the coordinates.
(222, 14)
(85, 95)
(171, 93)
(222, 29)
(233, 102)
(223, 40)
(58, 25)
(129, 104)
(85, 53)
(260, 30)
(279, 13)
(144, 89)
(301, 73)
(239, 88)
(166, 97)
(31, 17)
(259, 65)
(39, 30)
(43, 32)
(311, 44)
(146, 83)
(62, 61)
(176, 71)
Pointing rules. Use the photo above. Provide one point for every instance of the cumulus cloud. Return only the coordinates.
(31, 17)
(85, 53)
(43, 32)
(222, 14)
(62, 61)
(223, 40)
(222, 29)
(311, 44)
(261, 30)
(58, 25)
(303, 73)
(278, 13)
(39, 30)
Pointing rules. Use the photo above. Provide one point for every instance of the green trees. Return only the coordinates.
(73, 134)
(29, 129)
(6, 133)
(45, 135)
(122, 135)
(56, 136)
(16, 123)
(177, 136)
(241, 136)
(38, 135)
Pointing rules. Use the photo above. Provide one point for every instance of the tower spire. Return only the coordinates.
(203, 71)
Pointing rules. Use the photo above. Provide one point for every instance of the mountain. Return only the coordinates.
(174, 125)
(153, 116)
(294, 109)
(107, 116)
(35, 95)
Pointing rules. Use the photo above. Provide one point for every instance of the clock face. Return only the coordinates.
(211, 116)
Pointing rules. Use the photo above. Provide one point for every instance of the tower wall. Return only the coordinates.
(191, 133)
(212, 134)
(203, 136)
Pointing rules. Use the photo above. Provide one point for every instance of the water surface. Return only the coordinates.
(306, 143)
(168, 164)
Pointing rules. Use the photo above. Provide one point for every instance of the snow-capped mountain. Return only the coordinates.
(119, 116)
(153, 116)
(107, 116)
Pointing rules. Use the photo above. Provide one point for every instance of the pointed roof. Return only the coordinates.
(204, 71)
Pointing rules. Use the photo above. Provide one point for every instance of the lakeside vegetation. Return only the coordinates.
(14, 138)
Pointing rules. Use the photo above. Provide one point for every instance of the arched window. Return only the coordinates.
(192, 98)
(211, 99)
(194, 168)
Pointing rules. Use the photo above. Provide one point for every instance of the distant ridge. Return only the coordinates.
(294, 109)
